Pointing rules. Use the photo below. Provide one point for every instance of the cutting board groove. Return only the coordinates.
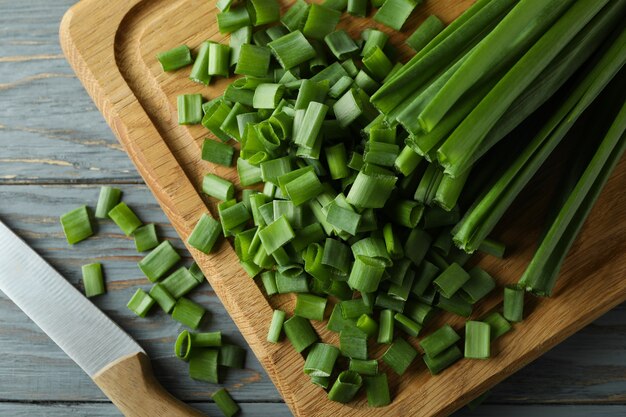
(112, 45)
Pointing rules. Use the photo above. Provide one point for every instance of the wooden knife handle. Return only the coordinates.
(131, 385)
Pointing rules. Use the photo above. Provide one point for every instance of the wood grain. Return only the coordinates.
(123, 78)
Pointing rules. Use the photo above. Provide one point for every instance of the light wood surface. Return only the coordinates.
(116, 63)
(132, 387)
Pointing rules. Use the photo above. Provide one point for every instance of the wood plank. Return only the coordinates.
(50, 130)
(125, 81)
(32, 368)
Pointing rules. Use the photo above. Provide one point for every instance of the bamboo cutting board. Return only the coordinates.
(112, 45)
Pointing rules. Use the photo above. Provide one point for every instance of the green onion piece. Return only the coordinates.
(311, 91)
(365, 82)
(321, 359)
(456, 305)
(207, 339)
(109, 198)
(159, 261)
(225, 402)
(406, 213)
(287, 284)
(339, 5)
(337, 161)
(372, 187)
(76, 225)
(269, 282)
(402, 289)
(93, 280)
(271, 170)
(499, 325)
(175, 58)
(219, 59)
(162, 297)
(425, 274)
(303, 188)
(197, 273)
(182, 347)
(321, 21)
(239, 37)
(309, 130)
(451, 280)
(380, 153)
(309, 234)
(419, 312)
(392, 242)
(205, 234)
(345, 387)
(513, 303)
(246, 243)
(357, 7)
(492, 247)
(343, 218)
(321, 381)
(478, 286)
(125, 218)
(352, 309)
(350, 68)
(292, 50)
(295, 16)
(146, 237)
(399, 356)
(437, 217)
(300, 333)
(188, 313)
(140, 303)
(179, 282)
(218, 153)
(337, 256)
(417, 245)
(248, 173)
(384, 300)
(310, 306)
(443, 242)
(218, 187)
(364, 367)
(199, 72)
(439, 341)
(442, 361)
(348, 108)
(261, 38)
(233, 19)
(337, 322)
(393, 13)
(256, 201)
(477, 340)
(377, 389)
(203, 365)
(367, 325)
(377, 63)
(216, 113)
(353, 343)
(340, 87)
(276, 234)
(251, 268)
(276, 326)
(263, 11)
(410, 327)
(385, 328)
(232, 356)
(425, 32)
(341, 44)
(189, 109)
(438, 260)
(374, 38)
(267, 96)
(407, 161)
(366, 274)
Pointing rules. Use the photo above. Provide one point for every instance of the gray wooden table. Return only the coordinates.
(55, 153)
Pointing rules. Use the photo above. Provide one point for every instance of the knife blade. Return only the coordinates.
(118, 365)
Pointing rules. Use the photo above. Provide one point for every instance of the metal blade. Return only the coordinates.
(86, 334)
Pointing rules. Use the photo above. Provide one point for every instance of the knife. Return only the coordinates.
(113, 360)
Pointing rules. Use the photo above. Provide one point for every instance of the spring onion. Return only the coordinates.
(179, 282)
(310, 306)
(140, 303)
(159, 261)
(394, 13)
(292, 49)
(189, 109)
(205, 234)
(477, 340)
(276, 326)
(93, 280)
(364, 367)
(478, 286)
(513, 303)
(188, 313)
(444, 360)
(125, 218)
(76, 225)
(145, 238)
(498, 324)
(399, 356)
(162, 297)
(182, 347)
(203, 365)
(320, 360)
(218, 153)
(321, 21)
(109, 197)
(353, 343)
(300, 333)
(425, 32)
(345, 387)
(199, 72)
(175, 58)
(263, 11)
(377, 389)
(225, 402)
(232, 356)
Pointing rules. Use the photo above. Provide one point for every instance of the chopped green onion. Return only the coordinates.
(188, 313)
(276, 234)
(364, 367)
(339, 5)
(232, 356)
(417, 245)
(276, 326)
(340, 87)
(456, 305)
(109, 198)
(513, 303)
(308, 132)
(425, 33)
(357, 7)
(377, 389)
(218, 153)
(377, 63)
(292, 50)
(385, 328)
(419, 311)
(163, 298)
(348, 108)
(478, 286)
(300, 333)
(216, 113)
(365, 82)
(182, 347)
(499, 325)
(477, 340)
(76, 225)
(343, 218)
(410, 327)
(307, 235)
(321, 381)
(263, 11)
(384, 300)
(345, 387)
(248, 173)
(199, 72)
(125, 218)
(352, 309)
(205, 234)
(207, 339)
(407, 161)
(310, 306)
(197, 273)
(203, 365)
(439, 341)
(295, 16)
(321, 359)
(492, 247)
(286, 284)
(341, 44)
(218, 187)
(225, 402)
(233, 19)
(146, 238)
(269, 282)
(93, 280)
(337, 161)
(372, 187)
(442, 361)
(426, 273)
(189, 109)
(219, 59)
(321, 21)
(367, 325)
(451, 280)
(175, 58)
(179, 282)
(399, 356)
(394, 13)
(366, 274)
(159, 261)
(267, 96)
(140, 303)
(238, 38)
(353, 343)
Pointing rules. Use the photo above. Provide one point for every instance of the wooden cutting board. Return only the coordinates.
(112, 45)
